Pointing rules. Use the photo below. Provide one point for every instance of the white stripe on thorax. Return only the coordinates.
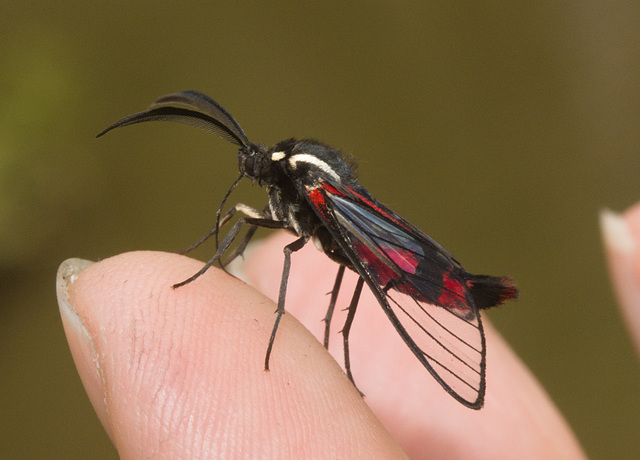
(315, 161)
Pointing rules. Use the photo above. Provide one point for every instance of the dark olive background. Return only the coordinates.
(501, 129)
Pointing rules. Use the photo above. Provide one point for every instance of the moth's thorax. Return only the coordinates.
(298, 163)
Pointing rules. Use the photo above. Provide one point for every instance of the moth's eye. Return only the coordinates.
(247, 165)
(277, 156)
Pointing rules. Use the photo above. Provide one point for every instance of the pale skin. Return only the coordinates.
(180, 373)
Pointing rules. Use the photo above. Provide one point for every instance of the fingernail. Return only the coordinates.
(81, 342)
(67, 275)
(621, 246)
(616, 233)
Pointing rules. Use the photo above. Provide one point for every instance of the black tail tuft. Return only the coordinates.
(489, 291)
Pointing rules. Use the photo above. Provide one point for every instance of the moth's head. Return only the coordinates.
(255, 162)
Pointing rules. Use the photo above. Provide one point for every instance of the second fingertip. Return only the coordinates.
(621, 247)
(616, 232)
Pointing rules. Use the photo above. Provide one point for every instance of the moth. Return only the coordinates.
(432, 302)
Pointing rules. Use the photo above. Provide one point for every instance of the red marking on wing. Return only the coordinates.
(405, 259)
(383, 272)
(317, 197)
(319, 201)
(454, 296)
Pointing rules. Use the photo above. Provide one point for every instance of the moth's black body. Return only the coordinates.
(313, 192)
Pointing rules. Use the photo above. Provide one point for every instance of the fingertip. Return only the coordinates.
(617, 232)
(81, 344)
(190, 362)
(621, 233)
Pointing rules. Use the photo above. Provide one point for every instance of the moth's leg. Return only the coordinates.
(241, 247)
(241, 207)
(347, 328)
(288, 249)
(228, 239)
(332, 305)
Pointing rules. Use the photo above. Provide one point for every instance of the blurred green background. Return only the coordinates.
(500, 128)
